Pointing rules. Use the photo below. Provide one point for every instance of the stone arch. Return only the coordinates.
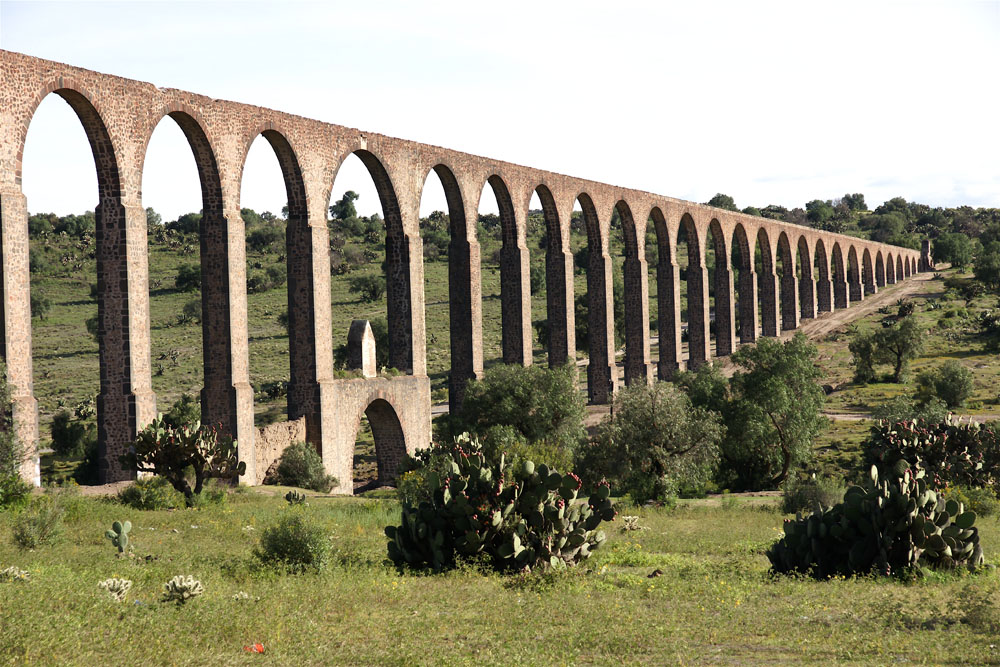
(824, 285)
(722, 284)
(854, 275)
(401, 269)
(390, 442)
(515, 286)
(806, 279)
(668, 308)
(747, 284)
(899, 268)
(841, 292)
(697, 292)
(125, 401)
(789, 285)
(913, 266)
(559, 303)
(601, 370)
(767, 286)
(879, 270)
(636, 297)
(868, 272)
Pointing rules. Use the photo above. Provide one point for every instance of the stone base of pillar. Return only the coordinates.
(602, 381)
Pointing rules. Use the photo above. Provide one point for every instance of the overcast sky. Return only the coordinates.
(770, 102)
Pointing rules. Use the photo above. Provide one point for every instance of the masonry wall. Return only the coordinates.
(119, 116)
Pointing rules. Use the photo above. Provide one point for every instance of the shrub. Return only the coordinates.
(982, 501)
(185, 410)
(39, 524)
(188, 278)
(167, 451)
(952, 452)
(180, 589)
(801, 494)
(951, 382)
(71, 437)
(13, 490)
(529, 520)
(294, 543)
(264, 238)
(40, 306)
(536, 278)
(655, 441)
(151, 493)
(300, 465)
(538, 403)
(886, 528)
(862, 348)
(191, 312)
(370, 287)
(901, 408)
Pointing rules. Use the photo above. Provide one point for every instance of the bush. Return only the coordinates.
(188, 278)
(294, 543)
(801, 494)
(982, 501)
(370, 287)
(951, 382)
(300, 465)
(265, 238)
(654, 442)
(529, 520)
(901, 408)
(71, 437)
(186, 410)
(40, 305)
(191, 312)
(39, 524)
(862, 348)
(151, 493)
(169, 452)
(13, 490)
(537, 402)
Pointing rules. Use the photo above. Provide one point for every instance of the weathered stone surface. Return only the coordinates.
(361, 349)
(119, 116)
(270, 443)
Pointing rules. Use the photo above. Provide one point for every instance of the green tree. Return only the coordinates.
(955, 248)
(189, 223)
(13, 490)
(951, 382)
(898, 343)
(855, 202)
(774, 414)
(655, 445)
(188, 278)
(343, 208)
(819, 211)
(863, 351)
(987, 265)
(370, 287)
(723, 201)
(707, 387)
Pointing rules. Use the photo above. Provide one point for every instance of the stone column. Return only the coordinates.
(465, 314)
(405, 300)
(698, 333)
(841, 293)
(309, 324)
(807, 295)
(16, 322)
(602, 373)
(227, 399)
(638, 366)
(725, 315)
(880, 276)
(668, 318)
(824, 294)
(559, 302)
(890, 273)
(748, 305)
(515, 301)
(789, 300)
(926, 257)
(869, 282)
(768, 291)
(856, 289)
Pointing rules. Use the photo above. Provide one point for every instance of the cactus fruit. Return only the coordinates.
(894, 522)
(534, 520)
(180, 589)
(117, 588)
(118, 534)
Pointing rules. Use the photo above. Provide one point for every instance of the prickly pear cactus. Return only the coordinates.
(180, 589)
(14, 574)
(535, 519)
(893, 522)
(118, 534)
(296, 498)
(117, 588)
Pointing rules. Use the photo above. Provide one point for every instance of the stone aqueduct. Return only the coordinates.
(119, 116)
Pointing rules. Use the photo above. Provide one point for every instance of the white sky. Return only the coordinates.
(770, 102)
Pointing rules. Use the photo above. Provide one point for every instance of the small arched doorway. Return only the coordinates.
(378, 429)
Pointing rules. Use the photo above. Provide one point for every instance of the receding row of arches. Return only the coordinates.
(715, 286)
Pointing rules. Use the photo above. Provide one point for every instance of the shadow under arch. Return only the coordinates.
(890, 269)
(696, 279)
(742, 261)
(824, 286)
(806, 279)
(841, 292)
(879, 269)
(789, 285)
(601, 370)
(390, 441)
(868, 272)
(767, 286)
(854, 275)
(668, 308)
(636, 300)
(722, 288)
(559, 301)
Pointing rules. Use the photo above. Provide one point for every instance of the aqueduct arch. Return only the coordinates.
(119, 116)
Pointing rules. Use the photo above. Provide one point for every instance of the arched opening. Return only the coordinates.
(379, 447)
(174, 215)
(61, 272)
(824, 286)
(879, 270)
(668, 303)
(868, 272)
(633, 293)
(746, 282)
(507, 332)
(806, 280)
(789, 285)
(890, 269)
(767, 285)
(854, 276)
(557, 330)
(841, 292)
(899, 267)
(694, 297)
(721, 307)
(596, 330)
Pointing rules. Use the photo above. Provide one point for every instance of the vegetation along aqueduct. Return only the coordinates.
(119, 116)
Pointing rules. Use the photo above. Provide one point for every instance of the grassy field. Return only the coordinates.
(714, 603)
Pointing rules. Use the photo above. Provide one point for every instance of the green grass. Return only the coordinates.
(714, 602)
